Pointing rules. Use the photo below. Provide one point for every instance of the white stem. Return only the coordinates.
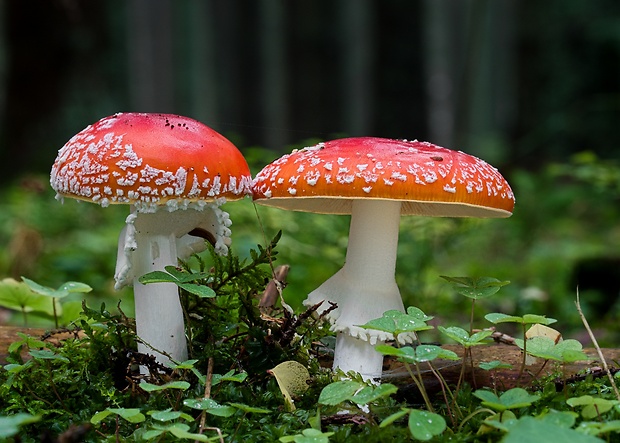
(354, 354)
(149, 243)
(159, 316)
(365, 287)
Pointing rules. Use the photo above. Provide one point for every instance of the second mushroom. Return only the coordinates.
(376, 180)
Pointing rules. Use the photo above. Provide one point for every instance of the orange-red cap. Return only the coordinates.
(150, 159)
(428, 179)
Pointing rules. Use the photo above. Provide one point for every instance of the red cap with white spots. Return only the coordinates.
(427, 179)
(150, 160)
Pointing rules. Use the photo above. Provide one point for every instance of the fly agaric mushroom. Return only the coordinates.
(175, 173)
(376, 180)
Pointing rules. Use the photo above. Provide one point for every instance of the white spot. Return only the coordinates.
(448, 188)
(399, 176)
(367, 189)
(430, 176)
(292, 191)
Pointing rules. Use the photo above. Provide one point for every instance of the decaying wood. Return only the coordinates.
(8, 335)
(396, 373)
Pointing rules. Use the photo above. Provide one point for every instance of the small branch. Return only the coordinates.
(207, 394)
(273, 290)
(597, 347)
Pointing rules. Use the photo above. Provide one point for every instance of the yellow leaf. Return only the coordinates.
(539, 330)
(292, 378)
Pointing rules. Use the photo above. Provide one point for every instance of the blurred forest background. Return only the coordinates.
(533, 87)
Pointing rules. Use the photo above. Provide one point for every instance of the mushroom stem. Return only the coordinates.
(150, 243)
(365, 287)
(159, 316)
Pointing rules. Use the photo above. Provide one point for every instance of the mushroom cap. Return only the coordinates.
(150, 160)
(428, 179)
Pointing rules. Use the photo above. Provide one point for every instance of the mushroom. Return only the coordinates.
(175, 173)
(376, 180)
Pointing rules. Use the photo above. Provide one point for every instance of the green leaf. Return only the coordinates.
(368, 394)
(157, 277)
(419, 354)
(132, 415)
(512, 399)
(592, 406)
(309, 435)
(211, 406)
(397, 322)
(570, 351)
(182, 279)
(43, 290)
(26, 340)
(10, 425)
(495, 364)
(46, 354)
(394, 417)
(476, 289)
(498, 317)
(338, 392)
(148, 387)
(424, 425)
(565, 419)
(179, 430)
(64, 289)
(566, 351)
(229, 376)
(73, 287)
(201, 291)
(461, 336)
(527, 319)
(183, 276)
(529, 429)
(169, 415)
(250, 409)
(18, 296)
(607, 426)
(187, 364)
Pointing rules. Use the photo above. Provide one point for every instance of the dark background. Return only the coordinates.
(518, 83)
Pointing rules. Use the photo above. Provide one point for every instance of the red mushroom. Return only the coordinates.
(377, 180)
(175, 173)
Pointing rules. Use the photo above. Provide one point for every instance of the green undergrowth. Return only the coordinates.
(259, 371)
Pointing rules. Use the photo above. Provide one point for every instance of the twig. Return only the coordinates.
(207, 393)
(274, 289)
(597, 347)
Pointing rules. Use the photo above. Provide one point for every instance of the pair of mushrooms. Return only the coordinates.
(175, 173)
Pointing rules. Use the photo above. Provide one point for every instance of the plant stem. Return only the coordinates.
(417, 379)
(524, 356)
(207, 394)
(55, 314)
(597, 347)
(445, 391)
